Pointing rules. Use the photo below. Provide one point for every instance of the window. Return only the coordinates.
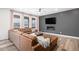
(33, 22)
(16, 21)
(26, 22)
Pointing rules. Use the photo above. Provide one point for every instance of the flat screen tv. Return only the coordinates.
(51, 20)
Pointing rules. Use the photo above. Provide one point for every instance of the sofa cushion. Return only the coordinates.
(46, 35)
(33, 34)
(53, 37)
(38, 33)
(19, 32)
(31, 37)
(54, 40)
(25, 30)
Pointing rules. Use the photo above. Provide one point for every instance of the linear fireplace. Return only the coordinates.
(50, 27)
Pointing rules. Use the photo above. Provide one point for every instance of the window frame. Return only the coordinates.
(28, 21)
(16, 17)
(34, 22)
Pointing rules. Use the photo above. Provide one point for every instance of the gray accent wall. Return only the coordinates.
(67, 22)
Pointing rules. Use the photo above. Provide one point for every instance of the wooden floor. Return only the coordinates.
(6, 45)
(65, 44)
(68, 44)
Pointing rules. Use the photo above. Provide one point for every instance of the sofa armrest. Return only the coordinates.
(35, 47)
(38, 47)
(54, 39)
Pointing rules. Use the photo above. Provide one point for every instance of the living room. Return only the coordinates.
(39, 29)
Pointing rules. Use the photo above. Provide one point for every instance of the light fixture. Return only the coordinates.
(39, 9)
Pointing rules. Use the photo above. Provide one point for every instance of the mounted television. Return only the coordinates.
(51, 20)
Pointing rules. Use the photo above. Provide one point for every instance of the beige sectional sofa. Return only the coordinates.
(24, 41)
(21, 41)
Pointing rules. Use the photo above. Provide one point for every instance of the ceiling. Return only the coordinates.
(44, 11)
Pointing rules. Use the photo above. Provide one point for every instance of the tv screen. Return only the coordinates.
(50, 20)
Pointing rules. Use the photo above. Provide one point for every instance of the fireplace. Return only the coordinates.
(50, 27)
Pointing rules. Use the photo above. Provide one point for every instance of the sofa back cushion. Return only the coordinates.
(16, 31)
(53, 37)
(25, 30)
(38, 33)
(46, 35)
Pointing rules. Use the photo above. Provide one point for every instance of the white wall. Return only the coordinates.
(4, 23)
